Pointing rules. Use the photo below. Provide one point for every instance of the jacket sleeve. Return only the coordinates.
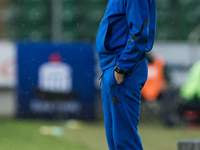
(137, 14)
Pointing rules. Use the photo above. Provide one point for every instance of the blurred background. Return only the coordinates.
(49, 76)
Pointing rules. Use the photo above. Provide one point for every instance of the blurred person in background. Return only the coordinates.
(158, 90)
(189, 107)
(157, 78)
(126, 32)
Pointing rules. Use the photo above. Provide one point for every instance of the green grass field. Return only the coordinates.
(25, 135)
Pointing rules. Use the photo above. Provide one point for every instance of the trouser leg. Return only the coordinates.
(125, 116)
(124, 101)
(107, 112)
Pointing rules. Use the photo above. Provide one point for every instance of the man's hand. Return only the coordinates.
(119, 77)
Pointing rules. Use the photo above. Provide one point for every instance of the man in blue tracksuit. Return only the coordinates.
(126, 32)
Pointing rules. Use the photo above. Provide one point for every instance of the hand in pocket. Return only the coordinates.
(119, 77)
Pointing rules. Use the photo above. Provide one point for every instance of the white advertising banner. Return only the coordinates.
(7, 64)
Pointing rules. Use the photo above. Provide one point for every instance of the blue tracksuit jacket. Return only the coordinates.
(126, 31)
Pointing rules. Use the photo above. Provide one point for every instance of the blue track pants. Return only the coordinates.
(121, 106)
